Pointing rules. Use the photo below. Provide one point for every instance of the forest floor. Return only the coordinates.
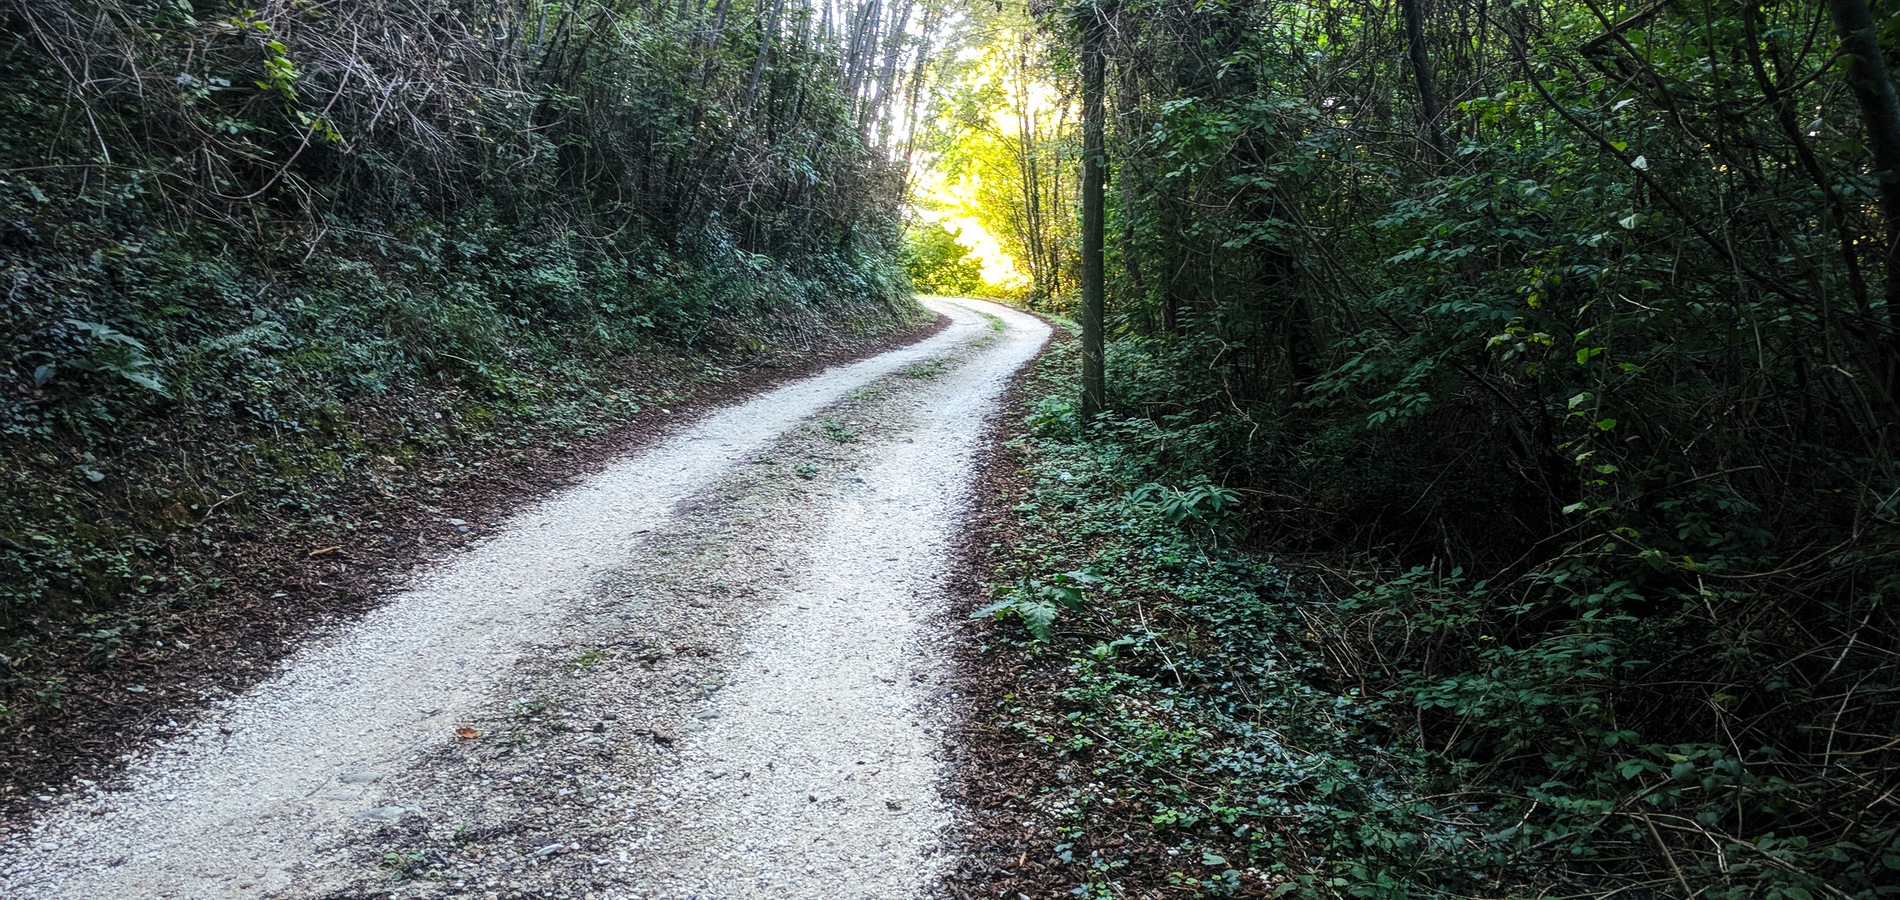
(714, 668)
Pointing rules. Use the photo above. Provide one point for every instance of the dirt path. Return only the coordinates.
(706, 672)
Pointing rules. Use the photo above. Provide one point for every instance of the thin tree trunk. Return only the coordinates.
(877, 125)
(1032, 193)
(1094, 185)
(766, 34)
(931, 17)
(1127, 103)
(858, 52)
(1867, 76)
(1873, 87)
(1429, 103)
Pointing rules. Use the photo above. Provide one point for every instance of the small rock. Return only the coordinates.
(551, 849)
(662, 736)
(384, 813)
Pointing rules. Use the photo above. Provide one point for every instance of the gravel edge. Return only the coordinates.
(286, 593)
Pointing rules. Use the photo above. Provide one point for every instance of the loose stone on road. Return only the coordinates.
(709, 671)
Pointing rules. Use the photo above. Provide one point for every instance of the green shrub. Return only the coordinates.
(1416, 731)
(937, 264)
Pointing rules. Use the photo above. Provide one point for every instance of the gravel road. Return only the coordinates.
(708, 671)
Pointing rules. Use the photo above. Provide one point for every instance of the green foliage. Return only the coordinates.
(1203, 505)
(1002, 144)
(839, 432)
(258, 258)
(937, 264)
(1419, 732)
(1036, 602)
(1587, 375)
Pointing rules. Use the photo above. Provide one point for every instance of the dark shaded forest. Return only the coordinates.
(1550, 350)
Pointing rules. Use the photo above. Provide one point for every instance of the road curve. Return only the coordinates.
(705, 672)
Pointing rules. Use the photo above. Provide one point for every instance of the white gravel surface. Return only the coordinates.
(742, 611)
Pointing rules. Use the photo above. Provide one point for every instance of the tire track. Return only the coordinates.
(282, 791)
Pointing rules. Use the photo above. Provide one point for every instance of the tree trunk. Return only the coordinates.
(1027, 164)
(1879, 107)
(878, 124)
(1430, 106)
(1094, 185)
(932, 16)
(766, 32)
(1127, 101)
(1873, 87)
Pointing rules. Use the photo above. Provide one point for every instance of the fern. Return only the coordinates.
(262, 332)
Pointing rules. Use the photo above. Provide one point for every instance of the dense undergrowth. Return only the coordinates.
(255, 258)
(1560, 343)
(1224, 722)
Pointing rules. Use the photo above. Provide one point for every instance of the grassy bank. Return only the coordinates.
(186, 496)
(164, 383)
(289, 291)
